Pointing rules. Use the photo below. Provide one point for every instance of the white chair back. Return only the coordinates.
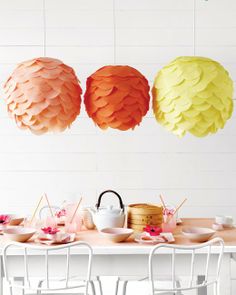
(48, 273)
(175, 250)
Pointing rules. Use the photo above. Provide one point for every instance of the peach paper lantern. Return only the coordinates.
(43, 95)
(117, 97)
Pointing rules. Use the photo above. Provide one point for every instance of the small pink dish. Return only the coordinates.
(117, 234)
(16, 219)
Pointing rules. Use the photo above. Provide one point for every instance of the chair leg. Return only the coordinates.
(86, 288)
(10, 289)
(92, 288)
(39, 286)
(178, 285)
(124, 287)
(21, 281)
(100, 285)
(117, 286)
(216, 289)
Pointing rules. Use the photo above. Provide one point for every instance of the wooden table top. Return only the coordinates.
(228, 235)
(102, 246)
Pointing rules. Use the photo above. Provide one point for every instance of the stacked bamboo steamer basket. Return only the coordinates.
(140, 215)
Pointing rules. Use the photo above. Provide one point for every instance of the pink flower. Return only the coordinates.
(50, 231)
(4, 219)
(60, 213)
(153, 230)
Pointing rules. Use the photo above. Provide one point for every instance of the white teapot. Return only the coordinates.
(108, 217)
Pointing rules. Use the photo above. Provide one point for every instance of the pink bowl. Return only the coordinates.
(117, 234)
(19, 234)
(198, 234)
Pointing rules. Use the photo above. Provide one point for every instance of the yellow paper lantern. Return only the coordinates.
(193, 94)
(43, 94)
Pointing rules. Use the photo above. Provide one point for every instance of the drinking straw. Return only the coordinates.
(77, 207)
(162, 201)
(49, 206)
(36, 209)
(177, 209)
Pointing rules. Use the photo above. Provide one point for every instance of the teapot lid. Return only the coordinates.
(109, 210)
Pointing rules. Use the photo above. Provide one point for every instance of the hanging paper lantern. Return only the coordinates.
(193, 94)
(117, 97)
(42, 95)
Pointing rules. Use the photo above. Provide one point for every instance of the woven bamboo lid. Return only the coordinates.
(145, 208)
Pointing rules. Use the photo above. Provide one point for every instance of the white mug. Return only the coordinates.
(226, 221)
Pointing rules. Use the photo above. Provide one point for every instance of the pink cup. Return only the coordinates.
(169, 224)
(76, 224)
(51, 221)
(35, 223)
(70, 228)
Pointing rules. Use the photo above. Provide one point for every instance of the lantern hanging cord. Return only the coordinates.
(194, 27)
(44, 28)
(114, 31)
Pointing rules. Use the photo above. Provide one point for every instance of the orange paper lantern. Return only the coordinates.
(42, 95)
(117, 97)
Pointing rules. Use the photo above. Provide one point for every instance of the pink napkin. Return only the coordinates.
(58, 238)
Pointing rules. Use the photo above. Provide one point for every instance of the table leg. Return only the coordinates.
(225, 275)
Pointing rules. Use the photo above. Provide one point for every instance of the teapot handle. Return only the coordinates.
(115, 193)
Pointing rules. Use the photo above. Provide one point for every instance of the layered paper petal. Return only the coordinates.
(117, 97)
(43, 95)
(193, 94)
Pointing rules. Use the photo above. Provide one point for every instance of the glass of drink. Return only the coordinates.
(169, 219)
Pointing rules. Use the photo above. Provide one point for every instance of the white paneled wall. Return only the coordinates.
(141, 163)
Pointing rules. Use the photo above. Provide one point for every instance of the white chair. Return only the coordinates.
(46, 211)
(191, 283)
(53, 278)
